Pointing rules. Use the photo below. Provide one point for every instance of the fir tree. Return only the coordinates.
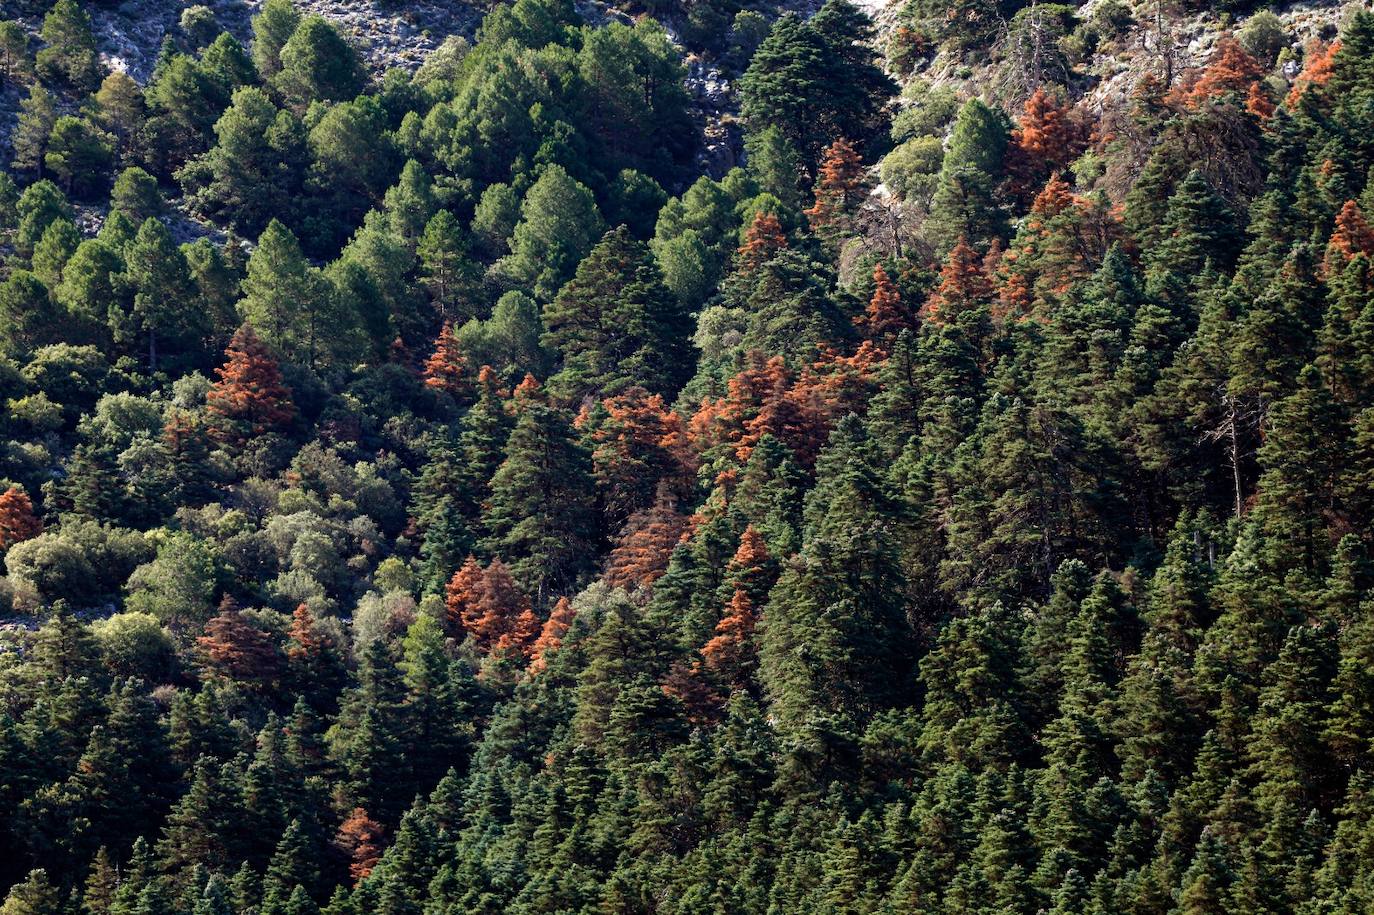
(539, 511)
(616, 324)
(249, 397)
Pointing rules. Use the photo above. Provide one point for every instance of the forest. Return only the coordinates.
(435, 490)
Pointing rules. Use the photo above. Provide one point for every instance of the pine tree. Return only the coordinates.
(551, 635)
(815, 80)
(886, 316)
(839, 189)
(1198, 228)
(272, 28)
(836, 639)
(286, 299)
(488, 605)
(963, 285)
(1045, 141)
(164, 302)
(35, 895)
(1230, 70)
(239, 651)
(70, 54)
(447, 271)
(965, 204)
(615, 324)
(445, 369)
(248, 399)
(642, 551)
(763, 239)
(1352, 235)
(360, 838)
(1301, 460)
(539, 511)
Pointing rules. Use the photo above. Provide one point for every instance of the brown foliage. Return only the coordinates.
(690, 684)
(1047, 139)
(489, 606)
(360, 840)
(762, 241)
(237, 650)
(638, 443)
(651, 534)
(1230, 69)
(17, 520)
(840, 186)
(249, 398)
(1352, 236)
(766, 398)
(886, 316)
(1258, 102)
(307, 642)
(446, 370)
(963, 282)
(1062, 240)
(1319, 64)
(551, 636)
(730, 651)
(526, 391)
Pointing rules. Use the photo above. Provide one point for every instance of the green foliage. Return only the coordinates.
(317, 65)
(616, 325)
(69, 56)
(815, 81)
(1029, 574)
(559, 223)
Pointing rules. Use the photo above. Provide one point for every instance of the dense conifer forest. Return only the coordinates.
(445, 489)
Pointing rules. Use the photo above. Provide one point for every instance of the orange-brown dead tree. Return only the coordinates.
(249, 398)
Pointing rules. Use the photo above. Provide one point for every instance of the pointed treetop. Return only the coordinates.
(762, 241)
(249, 398)
(962, 283)
(551, 636)
(446, 370)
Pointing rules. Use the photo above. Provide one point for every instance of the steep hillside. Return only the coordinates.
(712, 458)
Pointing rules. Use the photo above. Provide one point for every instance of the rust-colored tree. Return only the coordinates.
(830, 388)
(17, 520)
(766, 398)
(840, 185)
(730, 652)
(461, 594)
(1062, 240)
(691, 684)
(1230, 70)
(963, 283)
(1258, 102)
(488, 605)
(519, 638)
(249, 398)
(1046, 140)
(1319, 64)
(752, 568)
(886, 315)
(1351, 236)
(446, 370)
(762, 241)
(234, 649)
(651, 534)
(360, 840)
(637, 442)
(306, 640)
(551, 636)
(528, 389)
